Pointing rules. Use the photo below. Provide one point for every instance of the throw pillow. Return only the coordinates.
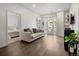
(27, 30)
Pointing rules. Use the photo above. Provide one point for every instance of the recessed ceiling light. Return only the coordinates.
(33, 5)
(59, 9)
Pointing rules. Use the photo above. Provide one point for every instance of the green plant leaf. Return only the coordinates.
(66, 38)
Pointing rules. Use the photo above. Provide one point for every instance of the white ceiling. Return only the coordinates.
(45, 8)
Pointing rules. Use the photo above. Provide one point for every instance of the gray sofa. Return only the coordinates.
(31, 34)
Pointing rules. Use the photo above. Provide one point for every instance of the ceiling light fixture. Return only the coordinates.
(33, 5)
(59, 9)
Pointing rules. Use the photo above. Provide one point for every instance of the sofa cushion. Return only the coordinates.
(31, 30)
(39, 30)
(36, 35)
(34, 30)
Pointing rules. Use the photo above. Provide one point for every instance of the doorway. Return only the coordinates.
(51, 26)
(13, 26)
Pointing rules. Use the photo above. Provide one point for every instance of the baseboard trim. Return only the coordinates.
(60, 36)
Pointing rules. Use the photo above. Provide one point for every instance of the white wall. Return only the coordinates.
(60, 24)
(74, 11)
(28, 19)
(3, 30)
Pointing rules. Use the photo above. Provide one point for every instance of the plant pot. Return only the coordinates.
(71, 49)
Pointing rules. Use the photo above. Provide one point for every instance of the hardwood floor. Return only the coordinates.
(45, 46)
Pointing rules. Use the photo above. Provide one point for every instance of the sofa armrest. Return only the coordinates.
(26, 36)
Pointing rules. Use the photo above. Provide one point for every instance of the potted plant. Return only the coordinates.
(69, 40)
(73, 37)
